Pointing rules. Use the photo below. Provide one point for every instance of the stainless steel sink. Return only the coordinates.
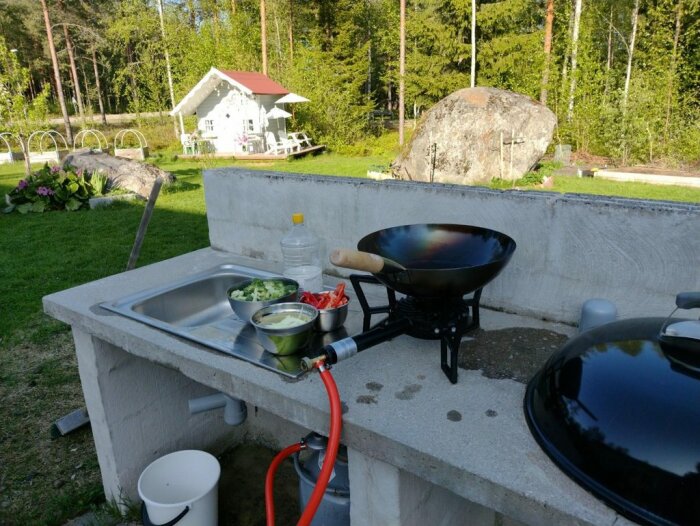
(196, 308)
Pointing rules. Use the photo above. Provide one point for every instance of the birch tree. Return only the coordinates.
(609, 60)
(574, 57)
(673, 66)
(630, 55)
(473, 42)
(169, 69)
(567, 53)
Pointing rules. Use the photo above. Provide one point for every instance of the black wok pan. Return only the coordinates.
(431, 260)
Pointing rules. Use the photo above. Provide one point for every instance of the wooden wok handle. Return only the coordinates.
(356, 260)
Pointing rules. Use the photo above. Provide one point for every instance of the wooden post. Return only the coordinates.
(500, 151)
(145, 219)
(512, 141)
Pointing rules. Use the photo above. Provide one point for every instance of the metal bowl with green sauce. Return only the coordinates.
(284, 328)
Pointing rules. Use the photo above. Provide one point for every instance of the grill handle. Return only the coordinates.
(688, 300)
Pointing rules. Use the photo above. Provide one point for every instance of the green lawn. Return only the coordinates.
(590, 185)
(44, 253)
(323, 164)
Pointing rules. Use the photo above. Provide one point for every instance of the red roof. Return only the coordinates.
(256, 82)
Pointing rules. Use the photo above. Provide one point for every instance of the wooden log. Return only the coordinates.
(145, 219)
(128, 174)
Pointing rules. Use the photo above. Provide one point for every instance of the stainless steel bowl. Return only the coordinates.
(287, 340)
(245, 309)
(331, 319)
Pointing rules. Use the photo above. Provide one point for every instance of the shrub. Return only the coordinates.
(51, 188)
(532, 178)
(99, 183)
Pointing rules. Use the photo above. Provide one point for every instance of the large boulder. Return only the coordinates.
(475, 135)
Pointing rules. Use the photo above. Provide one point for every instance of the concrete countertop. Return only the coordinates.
(397, 399)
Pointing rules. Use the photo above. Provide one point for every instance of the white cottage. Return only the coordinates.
(232, 110)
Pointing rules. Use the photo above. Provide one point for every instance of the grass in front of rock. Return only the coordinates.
(565, 184)
(596, 186)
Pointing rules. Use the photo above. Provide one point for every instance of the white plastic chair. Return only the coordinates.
(301, 139)
(288, 144)
(273, 145)
(188, 144)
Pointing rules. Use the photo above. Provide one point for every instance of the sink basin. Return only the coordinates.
(192, 303)
(196, 308)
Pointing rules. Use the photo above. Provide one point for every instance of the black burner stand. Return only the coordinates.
(445, 320)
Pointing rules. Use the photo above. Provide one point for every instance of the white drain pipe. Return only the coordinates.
(235, 411)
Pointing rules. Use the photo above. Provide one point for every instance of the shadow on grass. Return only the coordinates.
(180, 186)
(186, 172)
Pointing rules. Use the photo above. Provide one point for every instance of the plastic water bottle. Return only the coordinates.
(301, 252)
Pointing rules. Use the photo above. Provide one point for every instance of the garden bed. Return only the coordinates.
(55, 188)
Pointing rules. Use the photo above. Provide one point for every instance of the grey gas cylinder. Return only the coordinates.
(334, 509)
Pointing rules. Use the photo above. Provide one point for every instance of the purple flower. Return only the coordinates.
(55, 169)
(43, 190)
(22, 184)
(79, 173)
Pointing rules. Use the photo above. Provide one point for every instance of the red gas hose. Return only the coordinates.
(270, 479)
(331, 450)
(328, 461)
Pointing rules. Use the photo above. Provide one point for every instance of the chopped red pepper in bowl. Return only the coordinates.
(326, 300)
(332, 307)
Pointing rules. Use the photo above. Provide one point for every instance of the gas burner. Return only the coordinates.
(432, 320)
(447, 320)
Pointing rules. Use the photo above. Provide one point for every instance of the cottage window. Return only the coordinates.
(208, 125)
(249, 124)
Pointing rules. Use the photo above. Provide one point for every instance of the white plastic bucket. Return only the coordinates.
(181, 482)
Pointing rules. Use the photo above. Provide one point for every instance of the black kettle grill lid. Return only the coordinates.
(621, 416)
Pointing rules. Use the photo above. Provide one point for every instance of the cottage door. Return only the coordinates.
(232, 138)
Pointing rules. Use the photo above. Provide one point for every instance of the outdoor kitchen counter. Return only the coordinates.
(402, 413)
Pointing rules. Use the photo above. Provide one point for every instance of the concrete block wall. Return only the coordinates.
(636, 253)
(389, 496)
(135, 425)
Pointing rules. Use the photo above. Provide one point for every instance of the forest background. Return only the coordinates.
(622, 76)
